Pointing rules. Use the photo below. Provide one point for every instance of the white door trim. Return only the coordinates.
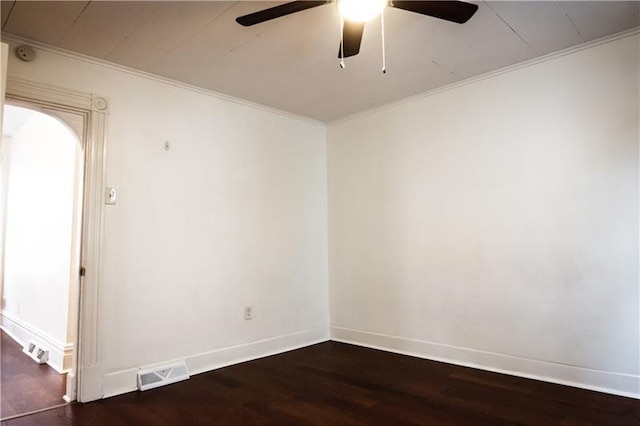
(95, 109)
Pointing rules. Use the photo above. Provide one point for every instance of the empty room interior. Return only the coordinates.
(310, 212)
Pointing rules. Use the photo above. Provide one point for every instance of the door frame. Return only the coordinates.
(95, 110)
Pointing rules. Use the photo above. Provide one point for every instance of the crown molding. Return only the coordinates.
(491, 74)
(13, 39)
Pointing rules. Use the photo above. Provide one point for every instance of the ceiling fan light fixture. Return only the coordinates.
(361, 10)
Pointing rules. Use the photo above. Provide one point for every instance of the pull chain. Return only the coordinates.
(342, 42)
(384, 55)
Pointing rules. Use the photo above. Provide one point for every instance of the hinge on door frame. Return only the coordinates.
(83, 271)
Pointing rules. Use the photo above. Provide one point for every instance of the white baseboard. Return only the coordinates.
(70, 388)
(602, 381)
(60, 353)
(124, 381)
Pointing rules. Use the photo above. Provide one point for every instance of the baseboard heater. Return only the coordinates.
(162, 375)
(36, 352)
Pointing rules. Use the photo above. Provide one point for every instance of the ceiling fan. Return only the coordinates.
(356, 12)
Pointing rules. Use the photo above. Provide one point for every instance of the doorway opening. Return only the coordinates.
(41, 198)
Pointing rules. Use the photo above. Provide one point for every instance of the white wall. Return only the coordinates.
(41, 165)
(234, 214)
(496, 224)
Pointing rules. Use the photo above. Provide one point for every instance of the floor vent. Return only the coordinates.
(36, 352)
(164, 375)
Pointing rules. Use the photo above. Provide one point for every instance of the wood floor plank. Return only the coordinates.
(338, 384)
(26, 386)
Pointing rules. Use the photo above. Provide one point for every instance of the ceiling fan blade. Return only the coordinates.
(351, 38)
(454, 11)
(278, 11)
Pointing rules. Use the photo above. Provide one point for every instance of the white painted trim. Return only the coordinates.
(60, 353)
(492, 74)
(123, 381)
(89, 372)
(21, 88)
(70, 394)
(94, 110)
(602, 381)
(10, 38)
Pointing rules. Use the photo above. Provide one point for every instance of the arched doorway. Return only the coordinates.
(41, 198)
(89, 112)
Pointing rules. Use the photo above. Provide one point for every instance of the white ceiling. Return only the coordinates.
(291, 63)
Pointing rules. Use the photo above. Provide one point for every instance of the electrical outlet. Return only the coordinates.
(248, 313)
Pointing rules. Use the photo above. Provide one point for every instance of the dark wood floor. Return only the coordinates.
(25, 385)
(333, 383)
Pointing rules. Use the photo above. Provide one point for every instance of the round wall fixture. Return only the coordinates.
(26, 53)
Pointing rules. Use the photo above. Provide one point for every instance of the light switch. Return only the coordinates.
(110, 195)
